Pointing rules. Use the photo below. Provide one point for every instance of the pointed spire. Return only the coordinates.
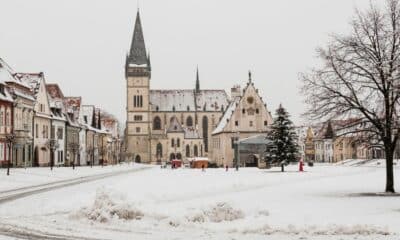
(137, 53)
(329, 134)
(197, 80)
(249, 76)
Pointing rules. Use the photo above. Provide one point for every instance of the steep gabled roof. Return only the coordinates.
(227, 116)
(54, 91)
(175, 126)
(32, 80)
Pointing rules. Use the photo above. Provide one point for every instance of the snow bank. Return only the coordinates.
(333, 230)
(106, 207)
(217, 213)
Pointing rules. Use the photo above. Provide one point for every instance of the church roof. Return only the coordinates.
(188, 100)
(137, 54)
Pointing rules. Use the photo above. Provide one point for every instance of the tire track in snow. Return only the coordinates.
(11, 195)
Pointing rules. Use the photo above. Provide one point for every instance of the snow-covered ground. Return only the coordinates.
(321, 203)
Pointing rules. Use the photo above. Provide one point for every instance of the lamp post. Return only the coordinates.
(237, 150)
(74, 149)
(52, 144)
(10, 139)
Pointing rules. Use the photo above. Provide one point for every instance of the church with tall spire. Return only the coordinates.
(167, 124)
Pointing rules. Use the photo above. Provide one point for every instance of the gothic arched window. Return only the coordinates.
(159, 150)
(205, 133)
(172, 142)
(189, 121)
(187, 151)
(196, 151)
(178, 142)
(157, 123)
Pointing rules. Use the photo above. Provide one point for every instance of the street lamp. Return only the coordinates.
(237, 150)
(52, 144)
(74, 149)
(10, 139)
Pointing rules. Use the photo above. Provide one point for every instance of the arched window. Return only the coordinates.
(138, 159)
(159, 150)
(179, 156)
(189, 121)
(205, 133)
(172, 142)
(187, 151)
(178, 142)
(157, 123)
(172, 156)
(196, 151)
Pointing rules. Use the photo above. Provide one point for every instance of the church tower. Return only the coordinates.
(138, 74)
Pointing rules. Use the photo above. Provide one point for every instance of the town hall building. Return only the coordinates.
(171, 124)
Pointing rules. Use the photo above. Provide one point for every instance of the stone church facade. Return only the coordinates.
(169, 124)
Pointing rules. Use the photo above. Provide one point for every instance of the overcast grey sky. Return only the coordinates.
(81, 45)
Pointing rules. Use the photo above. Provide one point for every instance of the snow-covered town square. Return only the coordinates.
(187, 119)
(323, 202)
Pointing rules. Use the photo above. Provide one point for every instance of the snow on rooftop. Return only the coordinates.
(187, 100)
(227, 116)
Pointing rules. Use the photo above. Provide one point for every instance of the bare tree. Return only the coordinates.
(359, 78)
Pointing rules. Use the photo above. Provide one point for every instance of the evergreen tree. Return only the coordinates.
(282, 146)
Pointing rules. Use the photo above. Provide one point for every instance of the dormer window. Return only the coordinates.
(188, 108)
(157, 108)
(173, 108)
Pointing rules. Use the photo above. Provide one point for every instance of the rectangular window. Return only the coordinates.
(8, 120)
(265, 123)
(236, 123)
(138, 117)
(85, 119)
(37, 130)
(134, 101)
(53, 132)
(60, 133)
(138, 129)
(1, 151)
(251, 123)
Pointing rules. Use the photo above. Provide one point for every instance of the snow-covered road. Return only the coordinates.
(322, 203)
(13, 194)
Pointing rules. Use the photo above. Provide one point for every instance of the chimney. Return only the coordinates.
(235, 91)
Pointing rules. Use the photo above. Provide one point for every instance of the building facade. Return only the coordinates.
(42, 117)
(153, 115)
(246, 116)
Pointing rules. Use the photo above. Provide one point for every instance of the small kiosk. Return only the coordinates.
(199, 162)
